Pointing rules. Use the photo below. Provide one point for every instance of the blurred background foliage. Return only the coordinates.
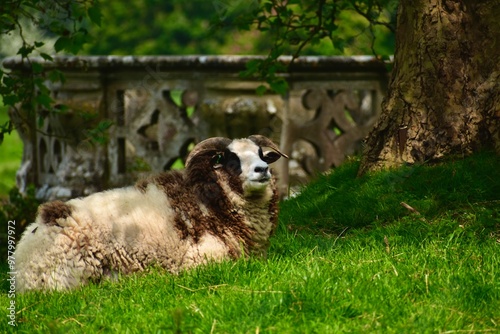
(174, 27)
(179, 27)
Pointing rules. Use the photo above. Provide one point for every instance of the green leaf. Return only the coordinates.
(44, 100)
(253, 66)
(10, 100)
(46, 57)
(62, 108)
(40, 121)
(25, 50)
(62, 43)
(7, 127)
(7, 80)
(57, 28)
(261, 90)
(276, 52)
(99, 134)
(94, 14)
(39, 44)
(79, 39)
(37, 68)
(56, 76)
(279, 85)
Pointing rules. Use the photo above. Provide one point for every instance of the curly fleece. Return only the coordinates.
(175, 220)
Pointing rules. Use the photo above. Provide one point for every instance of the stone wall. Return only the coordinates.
(160, 106)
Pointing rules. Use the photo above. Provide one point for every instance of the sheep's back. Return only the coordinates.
(132, 229)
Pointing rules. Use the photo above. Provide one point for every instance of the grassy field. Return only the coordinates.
(347, 257)
(11, 152)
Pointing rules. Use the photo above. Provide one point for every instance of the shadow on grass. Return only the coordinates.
(341, 200)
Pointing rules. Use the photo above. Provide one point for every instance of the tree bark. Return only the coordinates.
(444, 94)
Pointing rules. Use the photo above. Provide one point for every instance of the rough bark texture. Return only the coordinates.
(444, 94)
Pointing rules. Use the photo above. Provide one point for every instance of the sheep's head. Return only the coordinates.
(246, 160)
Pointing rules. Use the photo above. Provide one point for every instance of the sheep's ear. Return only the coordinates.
(217, 160)
(270, 156)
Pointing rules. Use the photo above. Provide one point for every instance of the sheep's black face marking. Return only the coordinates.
(227, 160)
(232, 163)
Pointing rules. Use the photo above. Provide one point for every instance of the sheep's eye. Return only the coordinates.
(269, 156)
(217, 160)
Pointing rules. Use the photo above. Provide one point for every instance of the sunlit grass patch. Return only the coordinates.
(11, 152)
(347, 257)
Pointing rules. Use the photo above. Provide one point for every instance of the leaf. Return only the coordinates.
(37, 68)
(44, 100)
(7, 127)
(276, 52)
(25, 50)
(261, 90)
(253, 66)
(95, 14)
(99, 134)
(56, 76)
(46, 57)
(57, 28)
(79, 39)
(279, 85)
(62, 43)
(39, 44)
(40, 121)
(61, 108)
(10, 100)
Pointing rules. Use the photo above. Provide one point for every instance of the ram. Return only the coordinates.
(223, 205)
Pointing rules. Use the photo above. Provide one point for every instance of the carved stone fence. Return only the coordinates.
(159, 106)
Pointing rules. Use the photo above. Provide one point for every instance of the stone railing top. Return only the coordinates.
(201, 63)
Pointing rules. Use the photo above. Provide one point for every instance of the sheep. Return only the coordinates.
(223, 205)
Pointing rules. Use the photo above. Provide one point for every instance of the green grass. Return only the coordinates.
(11, 152)
(347, 257)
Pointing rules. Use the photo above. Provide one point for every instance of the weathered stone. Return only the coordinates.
(160, 105)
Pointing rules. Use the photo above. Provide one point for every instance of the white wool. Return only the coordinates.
(131, 228)
(120, 225)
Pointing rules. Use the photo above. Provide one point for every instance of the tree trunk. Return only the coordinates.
(444, 94)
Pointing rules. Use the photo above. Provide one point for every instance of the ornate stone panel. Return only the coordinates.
(160, 106)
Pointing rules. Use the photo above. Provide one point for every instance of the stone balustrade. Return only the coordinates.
(160, 106)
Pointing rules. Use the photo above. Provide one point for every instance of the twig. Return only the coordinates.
(411, 209)
(258, 291)
(213, 326)
(372, 21)
(73, 319)
(338, 236)
(27, 307)
(427, 283)
(199, 289)
(406, 206)
(469, 331)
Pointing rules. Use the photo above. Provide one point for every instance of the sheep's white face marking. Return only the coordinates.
(255, 174)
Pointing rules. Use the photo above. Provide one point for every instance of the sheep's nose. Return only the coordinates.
(261, 169)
